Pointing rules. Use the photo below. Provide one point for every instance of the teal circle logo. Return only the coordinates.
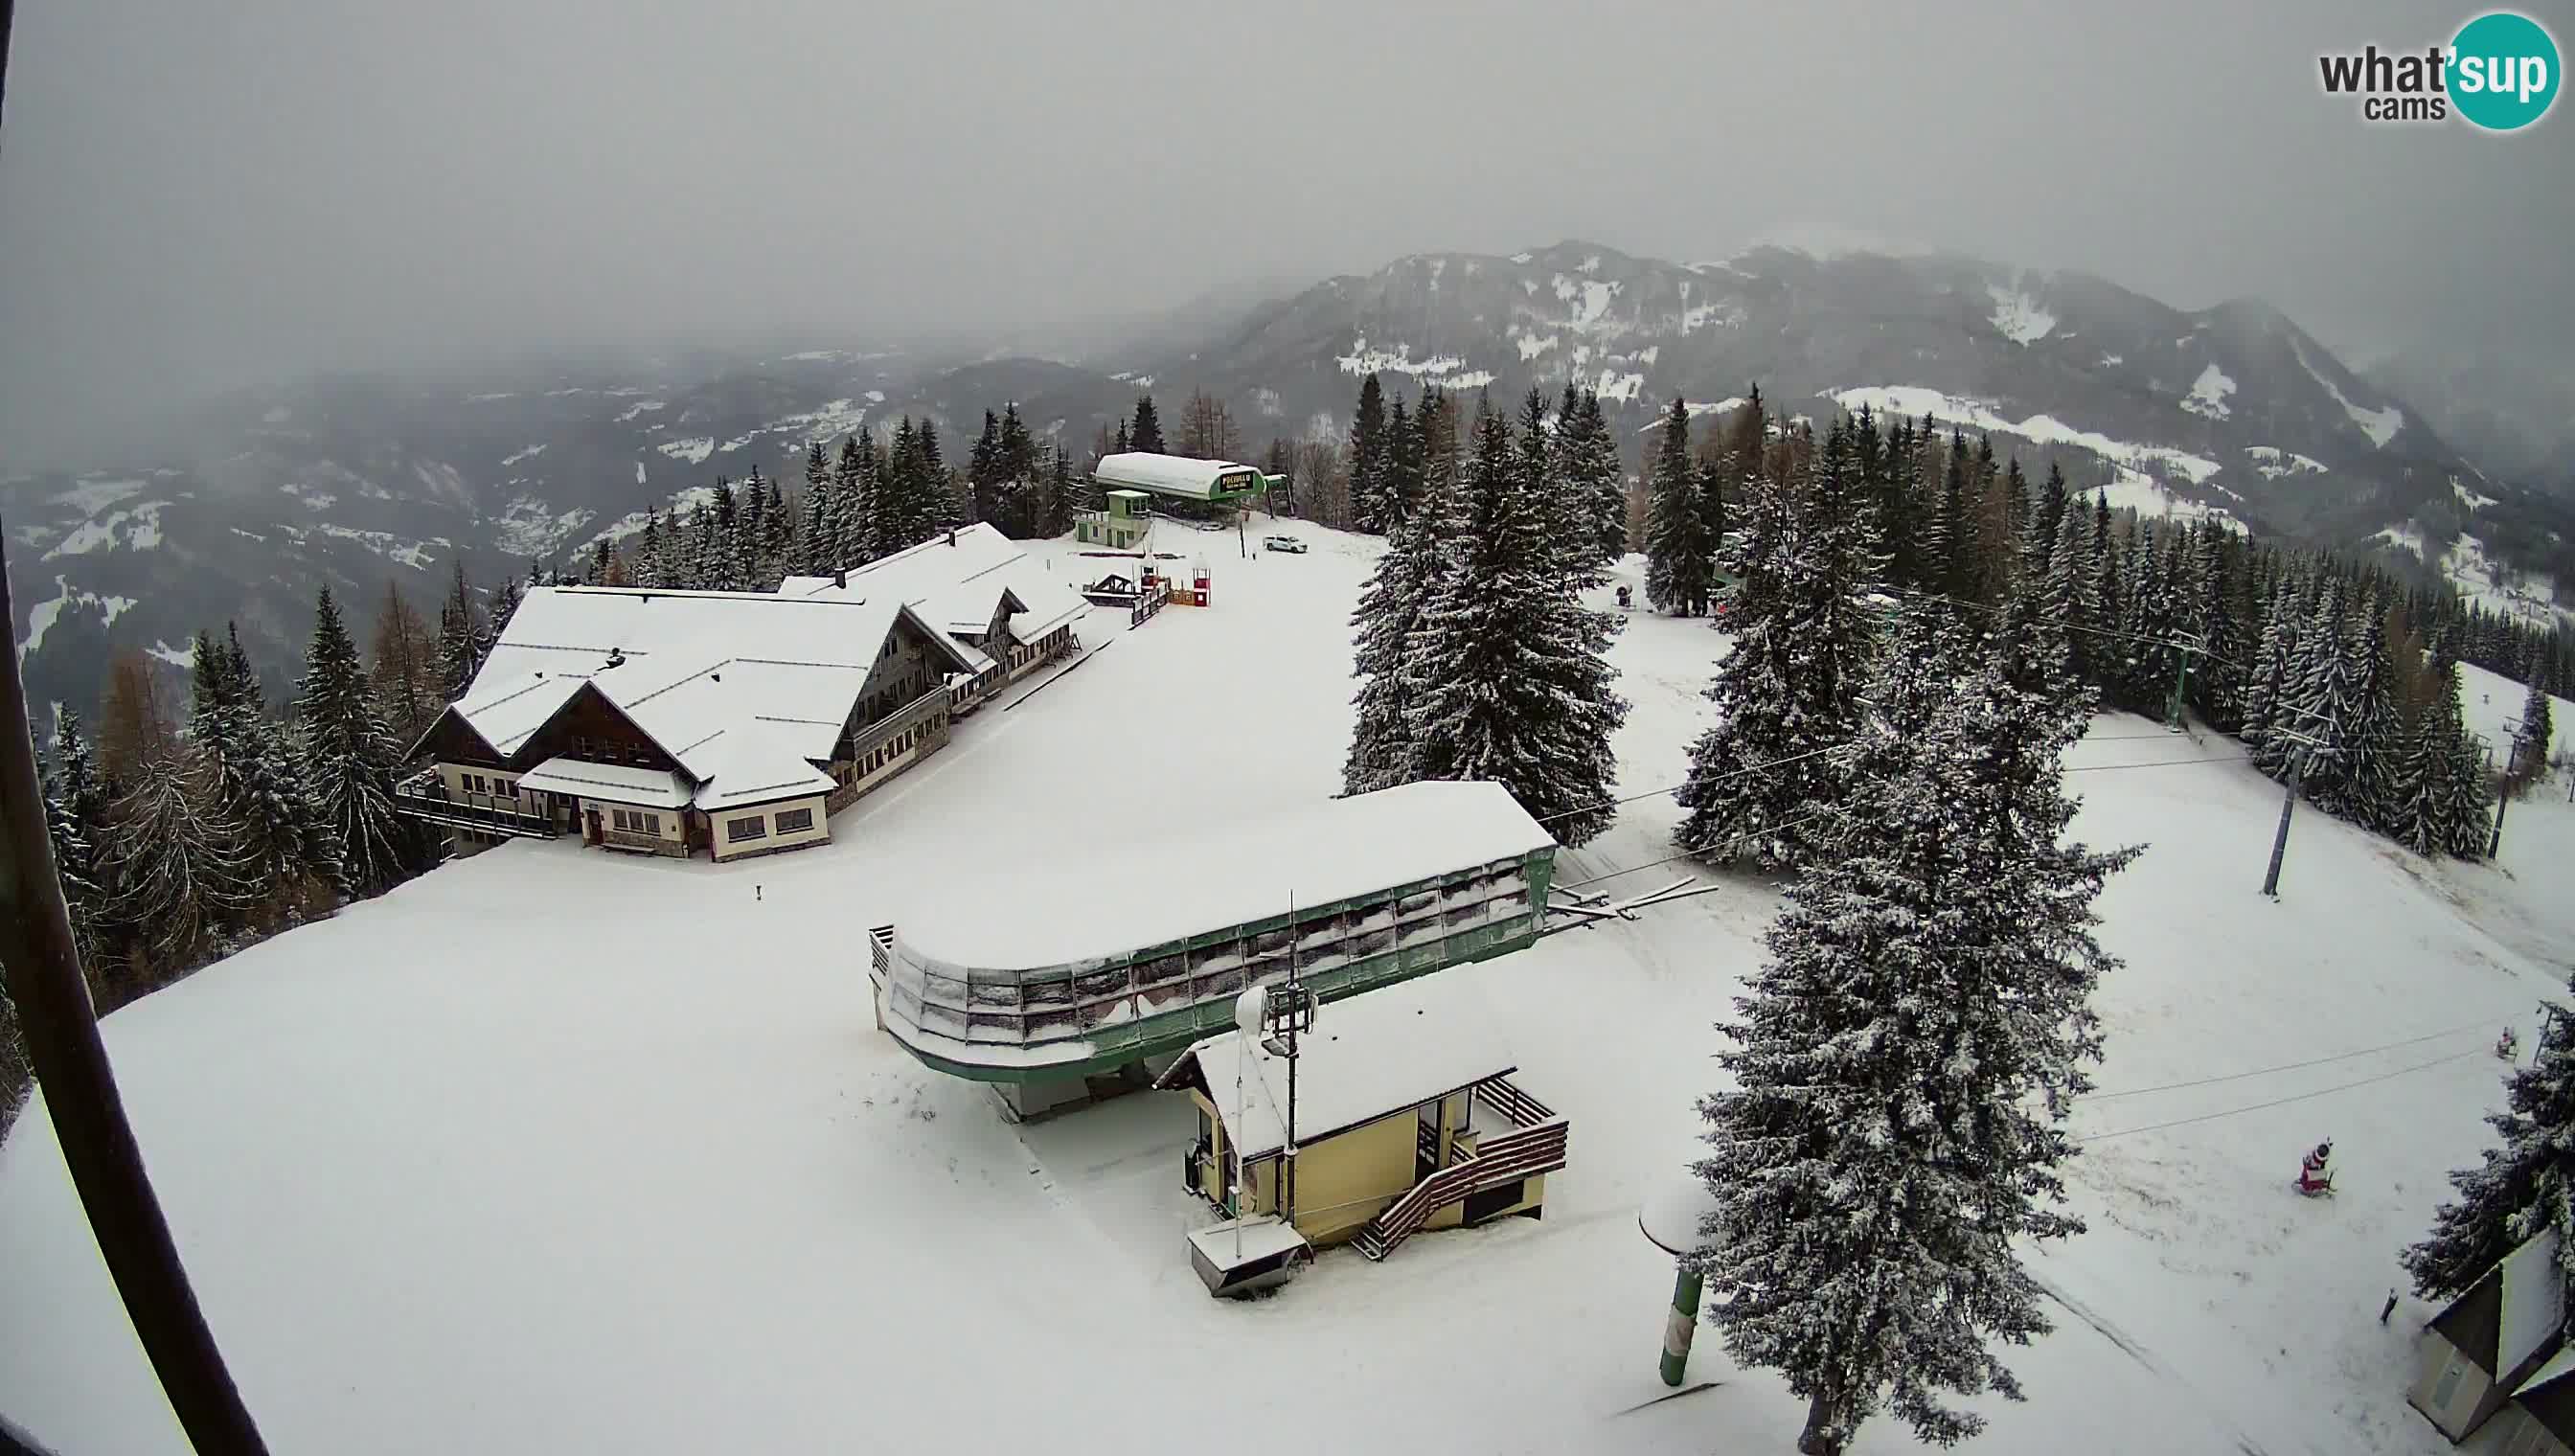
(2503, 71)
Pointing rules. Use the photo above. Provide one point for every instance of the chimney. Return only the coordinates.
(840, 579)
(952, 536)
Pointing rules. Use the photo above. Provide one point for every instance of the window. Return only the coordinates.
(616, 820)
(648, 823)
(753, 826)
(505, 788)
(791, 820)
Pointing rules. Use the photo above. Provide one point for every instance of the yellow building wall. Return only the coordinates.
(1348, 1178)
(730, 848)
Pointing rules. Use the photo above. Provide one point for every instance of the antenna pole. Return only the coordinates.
(1295, 1006)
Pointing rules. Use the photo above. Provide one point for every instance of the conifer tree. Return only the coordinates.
(1402, 469)
(2052, 503)
(1520, 692)
(860, 503)
(2521, 1190)
(2469, 805)
(2326, 693)
(1370, 510)
(2271, 692)
(1123, 442)
(1680, 558)
(929, 507)
(1389, 610)
(348, 759)
(76, 805)
(2427, 812)
(983, 462)
(1883, 1149)
(1804, 648)
(1146, 432)
(2537, 729)
(1017, 453)
(177, 863)
(1591, 475)
(458, 629)
(2373, 735)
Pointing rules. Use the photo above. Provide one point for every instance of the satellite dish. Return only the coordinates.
(1249, 1010)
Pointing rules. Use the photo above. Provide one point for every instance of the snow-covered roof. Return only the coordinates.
(954, 581)
(750, 765)
(503, 710)
(1167, 475)
(1111, 902)
(616, 782)
(2534, 1303)
(690, 667)
(2556, 1369)
(1367, 1056)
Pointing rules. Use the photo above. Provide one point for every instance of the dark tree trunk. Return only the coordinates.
(1826, 1433)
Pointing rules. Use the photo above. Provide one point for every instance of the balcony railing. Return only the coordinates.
(871, 737)
(425, 796)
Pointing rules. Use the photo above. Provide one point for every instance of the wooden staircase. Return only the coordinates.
(1535, 1146)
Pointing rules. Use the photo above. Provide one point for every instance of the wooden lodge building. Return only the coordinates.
(1406, 1119)
(2496, 1357)
(731, 723)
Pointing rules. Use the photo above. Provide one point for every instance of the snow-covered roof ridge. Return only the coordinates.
(619, 783)
(1115, 899)
(751, 764)
(1367, 1055)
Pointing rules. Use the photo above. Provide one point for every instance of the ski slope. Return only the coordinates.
(555, 1150)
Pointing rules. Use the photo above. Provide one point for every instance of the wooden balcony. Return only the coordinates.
(424, 796)
(1530, 1141)
(870, 737)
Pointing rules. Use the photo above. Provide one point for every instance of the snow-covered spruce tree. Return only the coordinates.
(2031, 645)
(1564, 525)
(2537, 729)
(1804, 646)
(2426, 811)
(292, 854)
(1904, 1060)
(1518, 691)
(2271, 689)
(180, 874)
(1592, 469)
(2518, 1190)
(75, 822)
(349, 760)
(1369, 507)
(2469, 795)
(2324, 693)
(1389, 608)
(2373, 737)
(1679, 558)
(1403, 468)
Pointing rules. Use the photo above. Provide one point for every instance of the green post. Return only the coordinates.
(2181, 681)
(1682, 1324)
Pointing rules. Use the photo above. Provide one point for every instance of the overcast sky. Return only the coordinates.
(195, 193)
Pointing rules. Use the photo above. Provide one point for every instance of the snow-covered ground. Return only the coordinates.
(554, 1150)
